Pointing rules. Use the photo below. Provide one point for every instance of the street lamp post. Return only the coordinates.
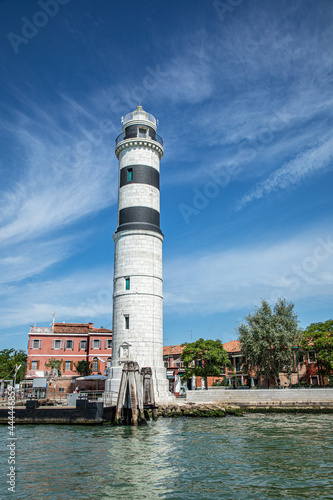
(296, 349)
(17, 367)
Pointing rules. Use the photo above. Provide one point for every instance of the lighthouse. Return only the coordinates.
(137, 282)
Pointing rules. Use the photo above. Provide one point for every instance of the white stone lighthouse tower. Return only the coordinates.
(137, 284)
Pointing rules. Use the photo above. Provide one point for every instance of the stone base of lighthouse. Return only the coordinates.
(160, 384)
(138, 308)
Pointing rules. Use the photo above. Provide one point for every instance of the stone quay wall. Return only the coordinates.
(85, 413)
(263, 397)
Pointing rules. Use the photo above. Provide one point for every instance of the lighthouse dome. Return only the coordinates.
(139, 116)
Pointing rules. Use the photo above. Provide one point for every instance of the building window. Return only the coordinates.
(312, 357)
(69, 344)
(126, 321)
(68, 365)
(61, 389)
(34, 365)
(96, 344)
(142, 132)
(83, 345)
(130, 174)
(108, 344)
(36, 344)
(238, 363)
(95, 364)
(127, 283)
(57, 344)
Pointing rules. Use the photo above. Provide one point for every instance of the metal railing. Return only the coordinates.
(157, 138)
(119, 138)
(108, 398)
(40, 329)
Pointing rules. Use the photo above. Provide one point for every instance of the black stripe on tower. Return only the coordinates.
(139, 218)
(139, 174)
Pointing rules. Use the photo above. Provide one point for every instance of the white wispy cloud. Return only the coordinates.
(77, 296)
(308, 163)
(64, 176)
(19, 262)
(230, 280)
(300, 268)
(269, 97)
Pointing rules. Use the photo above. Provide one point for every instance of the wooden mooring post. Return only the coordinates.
(136, 400)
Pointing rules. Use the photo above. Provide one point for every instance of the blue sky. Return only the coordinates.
(243, 94)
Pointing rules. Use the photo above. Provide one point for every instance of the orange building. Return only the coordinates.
(174, 365)
(69, 342)
(236, 376)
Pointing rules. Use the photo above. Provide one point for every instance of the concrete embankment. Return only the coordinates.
(221, 402)
(211, 403)
(321, 397)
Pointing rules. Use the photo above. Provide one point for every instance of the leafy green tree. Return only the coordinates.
(9, 358)
(55, 365)
(268, 337)
(318, 337)
(204, 358)
(83, 368)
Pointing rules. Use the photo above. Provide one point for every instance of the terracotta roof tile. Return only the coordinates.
(172, 349)
(232, 346)
(78, 328)
(100, 330)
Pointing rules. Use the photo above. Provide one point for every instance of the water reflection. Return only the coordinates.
(256, 457)
(138, 460)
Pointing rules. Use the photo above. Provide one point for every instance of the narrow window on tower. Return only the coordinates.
(130, 174)
(127, 283)
(126, 321)
(142, 132)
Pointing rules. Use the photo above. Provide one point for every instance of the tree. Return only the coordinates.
(9, 359)
(83, 368)
(55, 365)
(204, 358)
(268, 337)
(318, 337)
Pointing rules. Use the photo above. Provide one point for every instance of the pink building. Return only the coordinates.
(70, 342)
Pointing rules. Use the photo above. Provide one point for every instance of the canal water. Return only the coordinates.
(254, 457)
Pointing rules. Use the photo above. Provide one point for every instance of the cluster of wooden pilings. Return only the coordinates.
(136, 402)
